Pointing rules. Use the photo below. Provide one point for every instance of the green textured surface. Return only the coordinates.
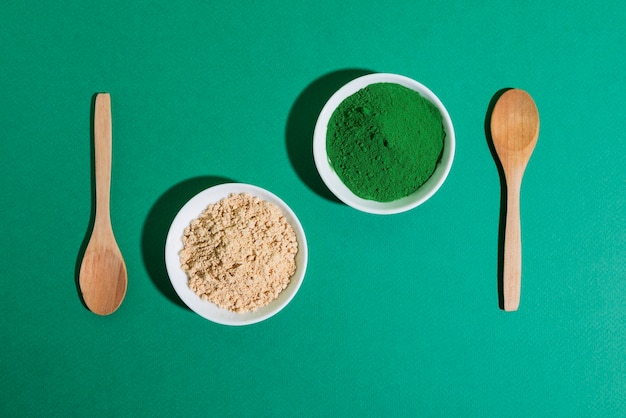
(398, 315)
(385, 141)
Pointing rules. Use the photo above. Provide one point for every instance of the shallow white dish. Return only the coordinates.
(332, 180)
(173, 245)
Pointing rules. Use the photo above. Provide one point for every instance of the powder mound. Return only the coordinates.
(239, 253)
(385, 141)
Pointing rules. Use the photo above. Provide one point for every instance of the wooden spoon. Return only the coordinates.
(102, 276)
(514, 131)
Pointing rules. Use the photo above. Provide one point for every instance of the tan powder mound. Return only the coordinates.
(239, 253)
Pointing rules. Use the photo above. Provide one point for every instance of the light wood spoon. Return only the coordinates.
(102, 276)
(514, 131)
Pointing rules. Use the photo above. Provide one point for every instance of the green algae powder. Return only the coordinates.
(385, 141)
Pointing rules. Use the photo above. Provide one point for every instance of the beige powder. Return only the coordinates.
(239, 253)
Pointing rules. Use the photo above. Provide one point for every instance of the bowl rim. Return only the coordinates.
(178, 278)
(332, 180)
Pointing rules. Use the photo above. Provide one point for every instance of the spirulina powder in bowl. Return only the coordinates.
(385, 141)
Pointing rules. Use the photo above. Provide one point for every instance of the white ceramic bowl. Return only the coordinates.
(332, 180)
(173, 245)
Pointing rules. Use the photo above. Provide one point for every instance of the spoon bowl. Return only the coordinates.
(514, 132)
(102, 278)
(515, 125)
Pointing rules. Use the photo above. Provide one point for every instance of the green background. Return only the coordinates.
(398, 315)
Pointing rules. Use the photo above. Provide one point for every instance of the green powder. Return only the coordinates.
(385, 141)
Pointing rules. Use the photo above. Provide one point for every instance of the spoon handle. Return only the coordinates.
(102, 154)
(512, 260)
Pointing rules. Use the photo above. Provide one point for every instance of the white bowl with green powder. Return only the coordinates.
(384, 143)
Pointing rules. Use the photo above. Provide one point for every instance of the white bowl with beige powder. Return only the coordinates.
(236, 254)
